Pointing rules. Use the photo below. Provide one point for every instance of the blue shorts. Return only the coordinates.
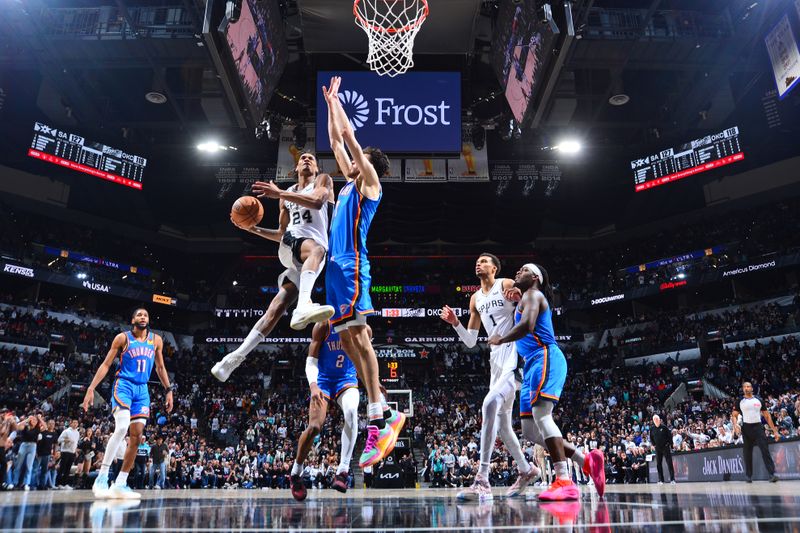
(333, 387)
(347, 287)
(543, 378)
(132, 396)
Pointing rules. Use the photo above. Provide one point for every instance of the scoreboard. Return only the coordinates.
(75, 152)
(694, 157)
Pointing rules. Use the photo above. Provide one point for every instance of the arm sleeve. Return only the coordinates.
(312, 369)
(469, 338)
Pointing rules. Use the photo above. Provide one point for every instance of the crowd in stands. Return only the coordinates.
(243, 433)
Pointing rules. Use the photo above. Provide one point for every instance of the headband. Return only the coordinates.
(533, 268)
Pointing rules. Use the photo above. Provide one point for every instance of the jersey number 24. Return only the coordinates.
(305, 216)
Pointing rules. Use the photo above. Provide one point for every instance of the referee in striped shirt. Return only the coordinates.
(752, 409)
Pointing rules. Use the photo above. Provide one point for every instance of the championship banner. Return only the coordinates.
(784, 55)
(426, 170)
(727, 464)
(329, 166)
(472, 165)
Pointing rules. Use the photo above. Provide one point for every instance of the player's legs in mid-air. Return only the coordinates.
(287, 295)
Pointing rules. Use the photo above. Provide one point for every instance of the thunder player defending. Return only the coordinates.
(347, 280)
(543, 381)
(303, 242)
(489, 306)
(138, 349)
(331, 375)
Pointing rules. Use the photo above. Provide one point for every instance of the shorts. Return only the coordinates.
(333, 388)
(289, 255)
(543, 378)
(132, 396)
(347, 285)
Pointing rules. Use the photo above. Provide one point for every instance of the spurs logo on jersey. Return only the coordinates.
(307, 223)
(497, 313)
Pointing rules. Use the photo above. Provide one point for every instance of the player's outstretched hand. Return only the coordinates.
(88, 400)
(263, 189)
(449, 316)
(331, 92)
(168, 402)
(513, 294)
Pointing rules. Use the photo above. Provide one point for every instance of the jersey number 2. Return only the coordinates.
(340, 361)
(306, 216)
(141, 365)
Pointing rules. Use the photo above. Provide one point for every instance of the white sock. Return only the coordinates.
(374, 411)
(253, 339)
(297, 469)
(307, 279)
(343, 468)
(483, 470)
(104, 469)
(561, 471)
(122, 479)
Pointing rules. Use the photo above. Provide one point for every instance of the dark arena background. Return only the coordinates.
(646, 153)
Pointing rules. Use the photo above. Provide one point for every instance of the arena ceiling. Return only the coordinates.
(688, 67)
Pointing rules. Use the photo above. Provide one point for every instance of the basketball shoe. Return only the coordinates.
(305, 314)
(522, 482)
(340, 482)
(561, 490)
(378, 441)
(223, 369)
(100, 486)
(594, 466)
(298, 488)
(122, 492)
(480, 491)
(396, 422)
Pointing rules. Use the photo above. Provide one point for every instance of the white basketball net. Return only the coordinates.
(391, 26)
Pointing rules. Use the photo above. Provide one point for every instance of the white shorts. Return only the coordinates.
(293, 267)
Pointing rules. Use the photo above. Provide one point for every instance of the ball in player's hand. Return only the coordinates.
(246, 212)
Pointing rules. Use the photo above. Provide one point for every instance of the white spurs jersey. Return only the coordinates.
(307, 223)
(497, 316)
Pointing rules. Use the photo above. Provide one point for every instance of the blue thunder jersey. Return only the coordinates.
(352, 217)
(136, 362)
(543, 335)
(333, 361)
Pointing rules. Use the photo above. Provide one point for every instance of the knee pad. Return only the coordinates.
(122, 421)
(547, 427)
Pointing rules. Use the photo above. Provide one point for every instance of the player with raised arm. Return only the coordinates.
(302, 235)
(489, 306)
(347, 281)
(543, 380)
(331, 376)
(138, 350)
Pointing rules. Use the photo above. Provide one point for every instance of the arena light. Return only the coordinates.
(213, 147)
(568, 146)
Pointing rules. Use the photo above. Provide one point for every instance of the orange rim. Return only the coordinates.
(381, 29)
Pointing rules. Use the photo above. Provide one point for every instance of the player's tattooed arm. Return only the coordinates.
(317, 199)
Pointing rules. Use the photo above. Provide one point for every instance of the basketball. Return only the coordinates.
(247, 211)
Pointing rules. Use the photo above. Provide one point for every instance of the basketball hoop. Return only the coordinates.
(391, 26)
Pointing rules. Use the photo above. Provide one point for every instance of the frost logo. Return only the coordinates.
(359, 110)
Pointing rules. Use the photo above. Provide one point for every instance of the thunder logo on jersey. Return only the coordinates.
(136, 362)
